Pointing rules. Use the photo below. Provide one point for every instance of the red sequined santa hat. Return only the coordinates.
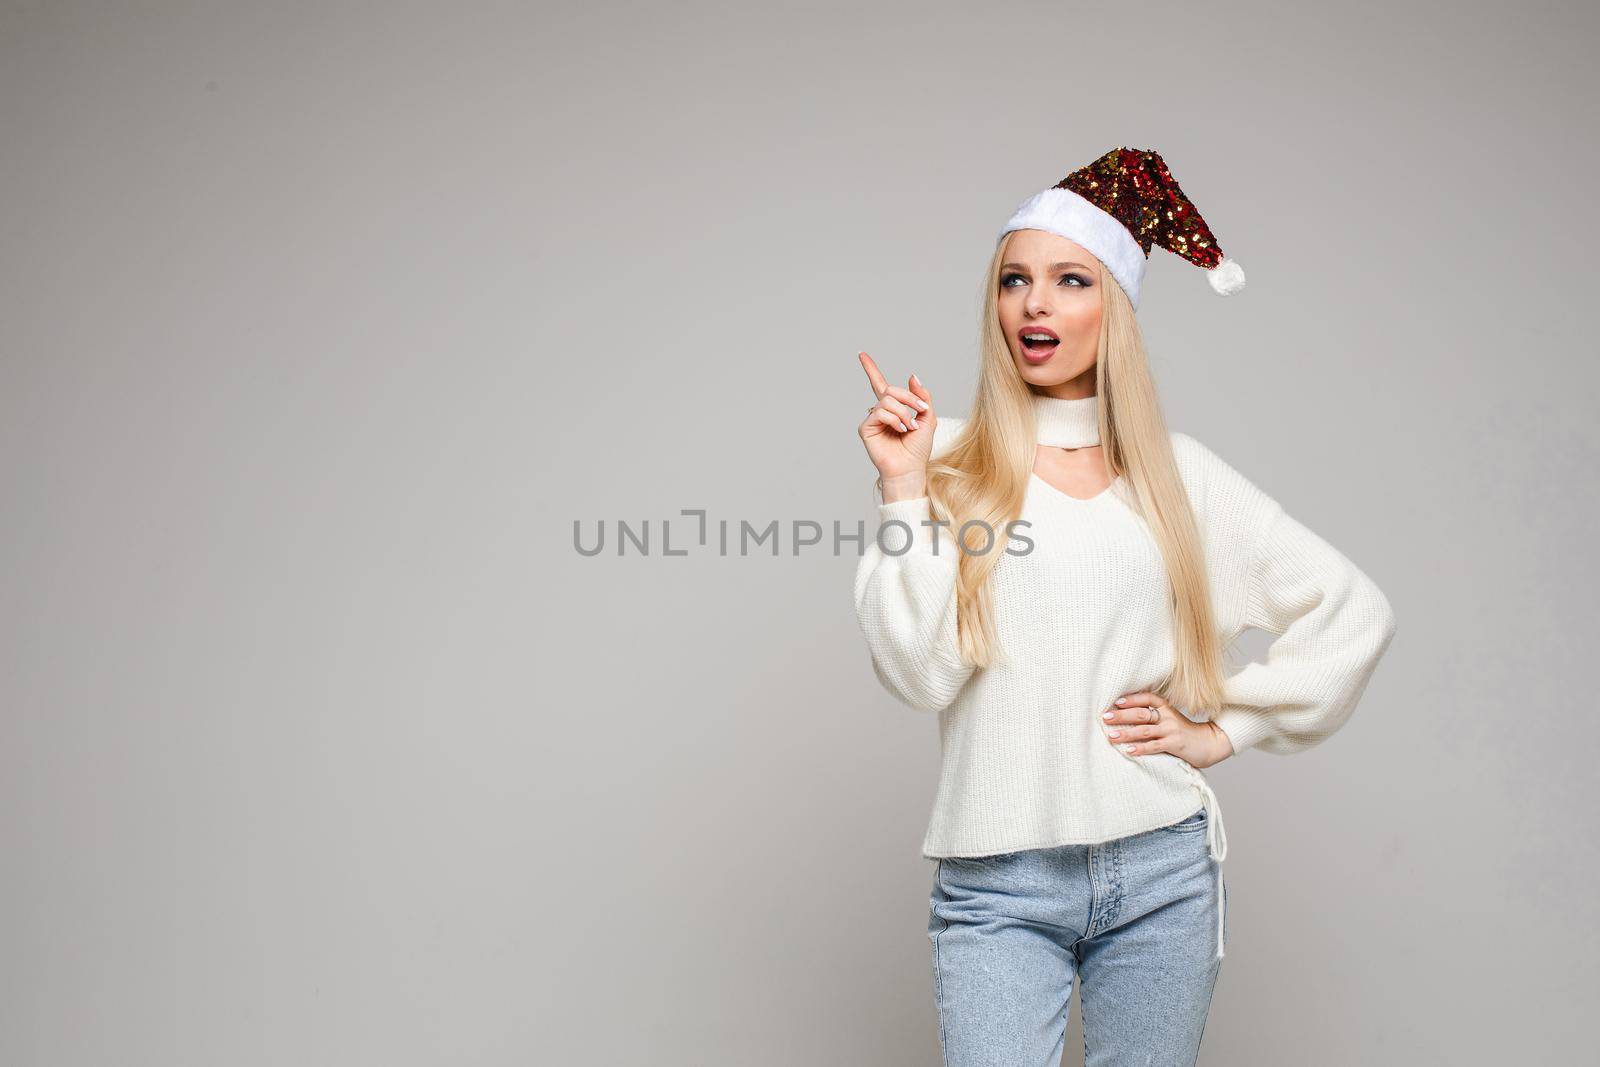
(1117, 207)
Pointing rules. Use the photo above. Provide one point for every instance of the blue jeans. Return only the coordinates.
(1134, 918)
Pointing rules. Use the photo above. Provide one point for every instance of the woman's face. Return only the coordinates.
(1050, 285)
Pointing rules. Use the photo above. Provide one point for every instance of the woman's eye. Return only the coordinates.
(1078, 280)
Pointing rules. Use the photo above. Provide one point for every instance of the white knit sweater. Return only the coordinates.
(1084, 618)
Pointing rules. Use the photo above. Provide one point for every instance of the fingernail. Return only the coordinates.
(1108, 715)
(1114, 733)
(1122, 700)
(902, 427)
(1128, 749)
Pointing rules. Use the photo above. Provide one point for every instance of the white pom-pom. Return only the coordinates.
(1227, 277)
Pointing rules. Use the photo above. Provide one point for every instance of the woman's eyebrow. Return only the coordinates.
(1053, 266)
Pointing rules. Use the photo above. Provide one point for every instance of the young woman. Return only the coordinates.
(1058, 576)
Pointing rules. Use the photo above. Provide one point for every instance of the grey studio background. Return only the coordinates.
(322, 324)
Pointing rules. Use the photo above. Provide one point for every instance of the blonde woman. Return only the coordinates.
(1057, 576)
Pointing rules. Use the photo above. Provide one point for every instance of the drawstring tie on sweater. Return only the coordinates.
(1216, 839)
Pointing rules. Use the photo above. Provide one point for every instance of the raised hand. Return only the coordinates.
(898, 432)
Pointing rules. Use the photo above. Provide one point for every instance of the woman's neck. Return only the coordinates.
(1062, 423)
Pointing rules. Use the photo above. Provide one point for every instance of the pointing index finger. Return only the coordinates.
(879, 383)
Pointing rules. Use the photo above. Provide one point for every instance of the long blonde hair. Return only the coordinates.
(983, 474)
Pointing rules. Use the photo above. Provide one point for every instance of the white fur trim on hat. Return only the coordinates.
(1065, 213)
(1227, 277)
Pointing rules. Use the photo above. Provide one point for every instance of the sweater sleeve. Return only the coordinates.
(1333, 625)
(906, 605)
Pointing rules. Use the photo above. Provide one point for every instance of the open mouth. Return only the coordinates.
(1038, 343)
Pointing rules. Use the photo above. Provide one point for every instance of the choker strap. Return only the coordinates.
(1066, 423)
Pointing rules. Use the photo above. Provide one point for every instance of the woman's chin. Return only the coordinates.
(1052, 371)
